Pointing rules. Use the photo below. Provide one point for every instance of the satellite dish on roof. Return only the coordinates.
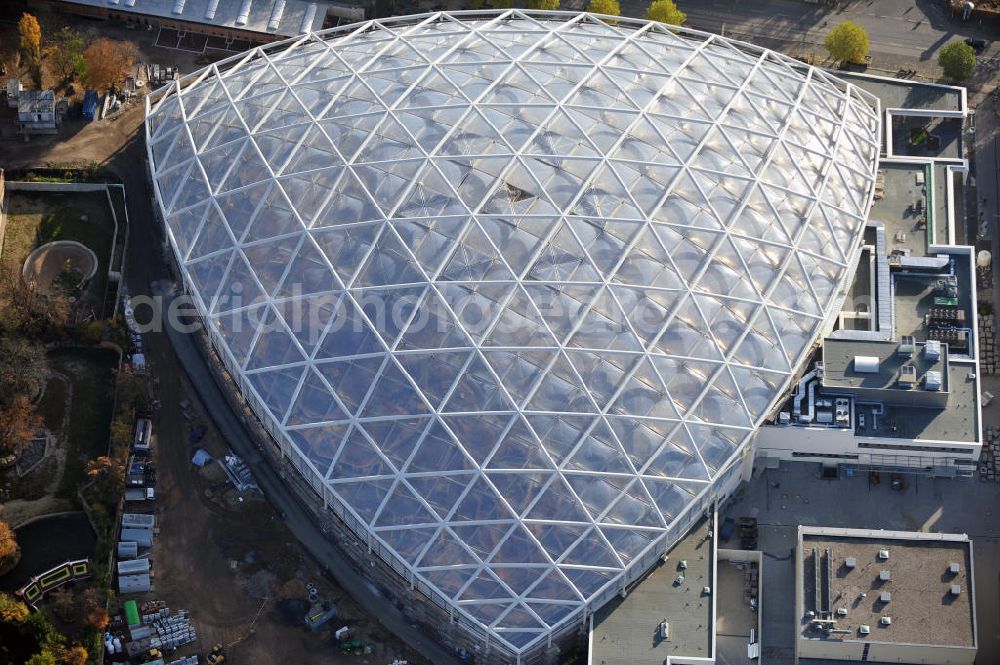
(984, 258)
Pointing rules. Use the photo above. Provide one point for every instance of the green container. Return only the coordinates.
(131, 613)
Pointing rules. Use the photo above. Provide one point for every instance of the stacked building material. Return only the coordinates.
(987, 352)
(174, 631)
(187, 660)
(988, 459)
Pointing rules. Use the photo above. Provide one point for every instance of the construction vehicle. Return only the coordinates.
(217, 655)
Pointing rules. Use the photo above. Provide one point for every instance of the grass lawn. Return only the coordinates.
(91, 372)
(36, 218)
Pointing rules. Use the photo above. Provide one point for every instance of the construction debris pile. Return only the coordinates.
(987, 350)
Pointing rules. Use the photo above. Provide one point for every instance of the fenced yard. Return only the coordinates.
(36, 218)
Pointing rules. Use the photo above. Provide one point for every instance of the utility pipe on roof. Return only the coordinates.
(276, 12)
(244, 14)
(808, 416)
(307, 19)
(800, 392)
(213, 6)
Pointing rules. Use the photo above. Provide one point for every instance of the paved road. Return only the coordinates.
(899, 30)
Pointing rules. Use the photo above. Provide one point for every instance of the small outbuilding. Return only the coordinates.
(128, 550)
(141, 537)
(134, 584)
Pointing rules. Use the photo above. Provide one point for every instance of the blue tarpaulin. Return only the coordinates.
(201, 458)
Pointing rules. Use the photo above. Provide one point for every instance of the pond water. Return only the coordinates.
(48, 542)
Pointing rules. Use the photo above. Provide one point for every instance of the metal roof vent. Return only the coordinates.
(883, 555)
(864, 629)
(866, 364)
(884, 575)
(907, 376)
(851, 562)
(932, 349)
(932, 380)
(842, 611)
(885, 597)
(906, 347)
(954, 567)
(886, 621)
(956, 590)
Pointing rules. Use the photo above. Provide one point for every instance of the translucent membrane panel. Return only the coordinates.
(516, 288)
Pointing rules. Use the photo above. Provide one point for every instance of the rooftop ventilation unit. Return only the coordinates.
(851, 562)
(866, 364)
(884, 575)
(886, 621)
(907, 376)
(906, 347)
(864, 629)
(932, 349)
(956, 590)
(842, 611)
(954, 567)
(885, 597)
(883, 555)
(932, 380)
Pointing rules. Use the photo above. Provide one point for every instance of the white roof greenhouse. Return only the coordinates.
(514, 288)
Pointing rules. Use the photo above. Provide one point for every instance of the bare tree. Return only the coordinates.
(23, 370)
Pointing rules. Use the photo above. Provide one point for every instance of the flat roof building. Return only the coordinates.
(894, 384)
(884, 596)
(251, 20)
(36, 112)
(628, 630)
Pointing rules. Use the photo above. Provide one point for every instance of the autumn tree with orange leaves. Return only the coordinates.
(109, 478)
(18, 422)
(108, 62)
(30, 39)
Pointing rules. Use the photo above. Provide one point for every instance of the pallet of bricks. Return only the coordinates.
(987, 352)
(171, 630)
(988, 458)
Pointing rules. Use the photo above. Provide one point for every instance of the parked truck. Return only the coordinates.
(137, 494)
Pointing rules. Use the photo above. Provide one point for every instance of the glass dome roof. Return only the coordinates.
(514, 288)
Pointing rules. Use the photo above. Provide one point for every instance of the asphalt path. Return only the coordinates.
(899, 31)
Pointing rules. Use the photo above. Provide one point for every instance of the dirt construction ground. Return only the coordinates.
(222, 558)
